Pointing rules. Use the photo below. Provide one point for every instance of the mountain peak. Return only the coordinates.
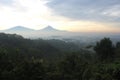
(49, 28)
(19, 28)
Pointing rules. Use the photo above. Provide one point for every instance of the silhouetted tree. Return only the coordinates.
(118, 45)
(104, 49)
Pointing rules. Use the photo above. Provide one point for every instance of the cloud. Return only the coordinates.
(95, 10)
(114, 11)
(6, 2)
(30, 13)
(72, 15)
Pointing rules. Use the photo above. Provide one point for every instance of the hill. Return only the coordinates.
(13, 43)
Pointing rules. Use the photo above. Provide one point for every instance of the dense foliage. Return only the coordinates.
(105, 49)
(25, 59)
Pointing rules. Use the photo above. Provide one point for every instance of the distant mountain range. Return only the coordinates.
(51, 33)
(31, 33)
(24, 29)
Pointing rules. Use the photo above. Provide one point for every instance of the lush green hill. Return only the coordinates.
(25, 59)
(13, 43)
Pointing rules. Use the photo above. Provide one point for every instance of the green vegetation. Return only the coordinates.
(105, 49)
(25, 59)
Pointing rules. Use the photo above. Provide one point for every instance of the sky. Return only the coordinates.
(70, 15)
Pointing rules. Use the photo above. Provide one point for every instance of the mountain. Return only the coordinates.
(49, 29)
(31, 33)
(19, 29)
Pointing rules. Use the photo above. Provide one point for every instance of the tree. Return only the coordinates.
(105, 49)
(118, 45)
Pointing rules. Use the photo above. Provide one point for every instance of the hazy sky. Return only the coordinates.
(71, 15)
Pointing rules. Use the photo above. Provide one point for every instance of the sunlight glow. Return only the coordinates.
(36, 15)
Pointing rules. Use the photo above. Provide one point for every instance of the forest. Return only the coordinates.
(38, 59)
